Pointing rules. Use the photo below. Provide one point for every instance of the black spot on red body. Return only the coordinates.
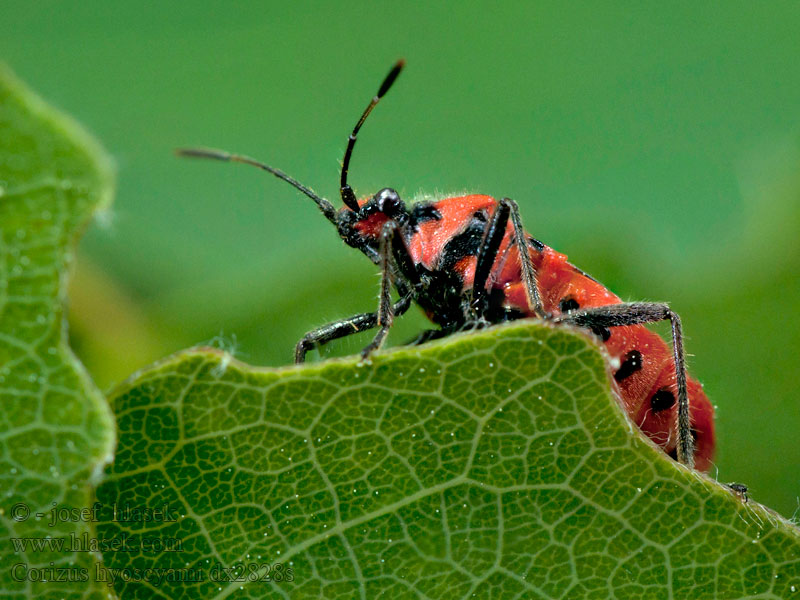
(568, 304)
(604, 333)
(662, 400)
(536, 243)
(629, 366)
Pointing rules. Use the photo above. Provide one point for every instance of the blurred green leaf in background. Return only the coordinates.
(658, 146)
(56, 429)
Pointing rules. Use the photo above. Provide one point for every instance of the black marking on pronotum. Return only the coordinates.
(424, 212)
(464, 244)
(662, 400)
(567, 304)
(629, 366)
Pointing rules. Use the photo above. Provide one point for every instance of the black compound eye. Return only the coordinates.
(662, 400)
(389, 203)
(568, 304)
(629, 366)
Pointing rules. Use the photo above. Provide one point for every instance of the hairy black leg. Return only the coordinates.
(427, 336)
(487, 253)
(396, 263)
(332, 331)
(528, 272)
(343, 328)
(637, 313)
(403, 263)
(388, 247)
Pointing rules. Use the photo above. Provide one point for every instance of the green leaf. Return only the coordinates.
(56, 431)
(489, 465)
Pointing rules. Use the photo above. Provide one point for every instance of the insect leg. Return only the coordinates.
(427, 336)
(343, 328)
(637, 313)
(392, 250)
(528, 271)
(396, 261)
(487, 253)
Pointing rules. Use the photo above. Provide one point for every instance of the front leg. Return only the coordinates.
(427, 336)
(343, 328)
(391, 246)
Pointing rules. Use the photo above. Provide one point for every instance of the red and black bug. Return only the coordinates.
(459, 259)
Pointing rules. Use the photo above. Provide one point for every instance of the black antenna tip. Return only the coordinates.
(203, 153)
(390, 78)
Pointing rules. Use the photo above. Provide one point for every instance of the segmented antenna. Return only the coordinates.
(324, 205)
(348, 196)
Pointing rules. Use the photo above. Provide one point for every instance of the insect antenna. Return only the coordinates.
(348, 196)
(324, 205)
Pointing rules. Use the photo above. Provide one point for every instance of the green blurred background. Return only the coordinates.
(658, 146)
